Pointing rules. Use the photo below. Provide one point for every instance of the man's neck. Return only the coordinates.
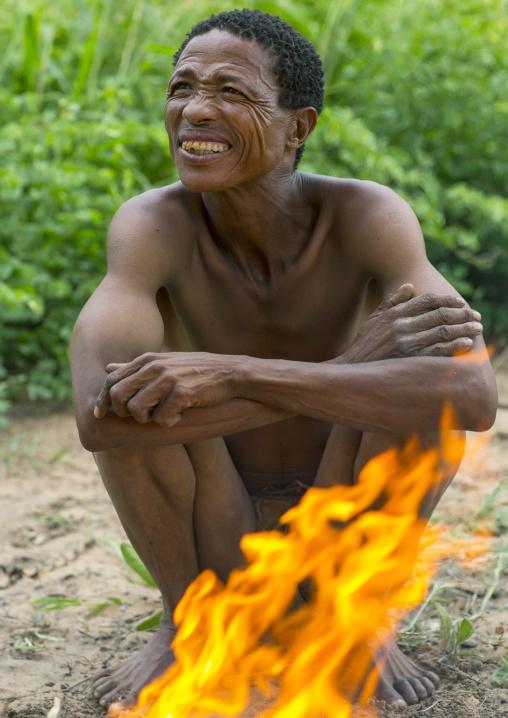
(263, 227)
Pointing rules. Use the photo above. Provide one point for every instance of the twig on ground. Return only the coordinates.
(439, 700)
(457, 670)
(69, 688)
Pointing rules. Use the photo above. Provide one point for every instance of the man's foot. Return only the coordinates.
(127, 680)
(401, 681)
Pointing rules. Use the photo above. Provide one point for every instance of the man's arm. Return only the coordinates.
(395, 395)
(122, 321)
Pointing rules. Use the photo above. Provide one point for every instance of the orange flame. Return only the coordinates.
(312, 660)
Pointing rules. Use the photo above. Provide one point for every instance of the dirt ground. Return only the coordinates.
(55, 517)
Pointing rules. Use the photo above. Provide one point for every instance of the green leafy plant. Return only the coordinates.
(452, 633)
(132, 560)
(128, 554)
(415, 100)
(501, 674)
(55, 603)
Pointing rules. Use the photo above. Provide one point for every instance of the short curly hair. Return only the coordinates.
(297, 66)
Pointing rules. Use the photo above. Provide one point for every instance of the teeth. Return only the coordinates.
(203, 147)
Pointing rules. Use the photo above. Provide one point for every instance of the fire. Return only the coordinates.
(311, 659)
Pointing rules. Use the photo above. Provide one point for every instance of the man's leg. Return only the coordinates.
(183, 510)
(347, 452)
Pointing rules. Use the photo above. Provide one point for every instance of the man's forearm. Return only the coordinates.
(396, 395)
(196, 424)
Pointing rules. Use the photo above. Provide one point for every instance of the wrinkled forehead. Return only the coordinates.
(221, 52)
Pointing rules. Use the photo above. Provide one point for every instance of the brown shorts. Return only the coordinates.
(271, 502)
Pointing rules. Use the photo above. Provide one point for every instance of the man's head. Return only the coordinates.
(296, 67)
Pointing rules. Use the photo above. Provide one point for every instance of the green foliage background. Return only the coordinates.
(416, 99)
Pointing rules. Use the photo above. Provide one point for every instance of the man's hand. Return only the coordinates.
(428, 325)
(159, 386)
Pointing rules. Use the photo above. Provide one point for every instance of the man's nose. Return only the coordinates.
(200, 108)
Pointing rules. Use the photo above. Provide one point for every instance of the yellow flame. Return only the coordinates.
(314, 659)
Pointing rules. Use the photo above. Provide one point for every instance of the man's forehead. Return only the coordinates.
(220, 52)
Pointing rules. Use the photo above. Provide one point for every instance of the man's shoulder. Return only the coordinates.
(363, 209)
(151, 234)
(165, 203)
(165, 214)
(373, 224)
(348, 194)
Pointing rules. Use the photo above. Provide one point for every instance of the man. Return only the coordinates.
(225, 334)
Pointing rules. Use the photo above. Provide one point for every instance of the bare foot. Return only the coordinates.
(128, 679)
(401, 681)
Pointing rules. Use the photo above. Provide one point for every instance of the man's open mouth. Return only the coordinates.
(204, 148)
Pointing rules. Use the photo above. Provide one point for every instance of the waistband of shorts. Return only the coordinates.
(296, 488)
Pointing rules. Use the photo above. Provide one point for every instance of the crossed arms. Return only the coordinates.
(397, 375)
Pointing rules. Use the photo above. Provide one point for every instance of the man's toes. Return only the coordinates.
(385, 692)
(130, 700)
(419, 688)
(109, 697)
(104, 687)
(103, 673)
(406, 691)
(429, 684)
(431, 676)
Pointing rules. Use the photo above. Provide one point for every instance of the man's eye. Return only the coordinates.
(178, 86)
(232, 91)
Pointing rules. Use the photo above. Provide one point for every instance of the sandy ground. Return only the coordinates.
(55, 515)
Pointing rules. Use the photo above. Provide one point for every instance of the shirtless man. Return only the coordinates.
(222, 354)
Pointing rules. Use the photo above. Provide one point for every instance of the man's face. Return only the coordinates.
(222, 115)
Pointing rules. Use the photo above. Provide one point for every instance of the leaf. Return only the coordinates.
(150, 622)
(25, 644)
(34, 443)
(465, 631)
(466, 654)
(112, 600)
(86, 61)
(501, 674)
(446, 623)
(31, 61)
(132, 560)
(45, 637)
(59, 454)
(53, 603)
(97, 608)
(113, 544)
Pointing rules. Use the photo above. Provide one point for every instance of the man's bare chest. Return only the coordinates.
(307, 316)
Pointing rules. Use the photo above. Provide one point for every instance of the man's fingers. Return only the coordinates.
(113, 367)
(123, 391)
(444, 316)
(169, 411)
(116, 373)
(402, 294)
(447, 349)
(428, 301)
(446, 333)
(141, 406)
(102, 404)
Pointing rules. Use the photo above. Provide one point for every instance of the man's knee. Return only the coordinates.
(168, 466)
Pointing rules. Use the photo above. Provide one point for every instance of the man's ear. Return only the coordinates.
(304, 122)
